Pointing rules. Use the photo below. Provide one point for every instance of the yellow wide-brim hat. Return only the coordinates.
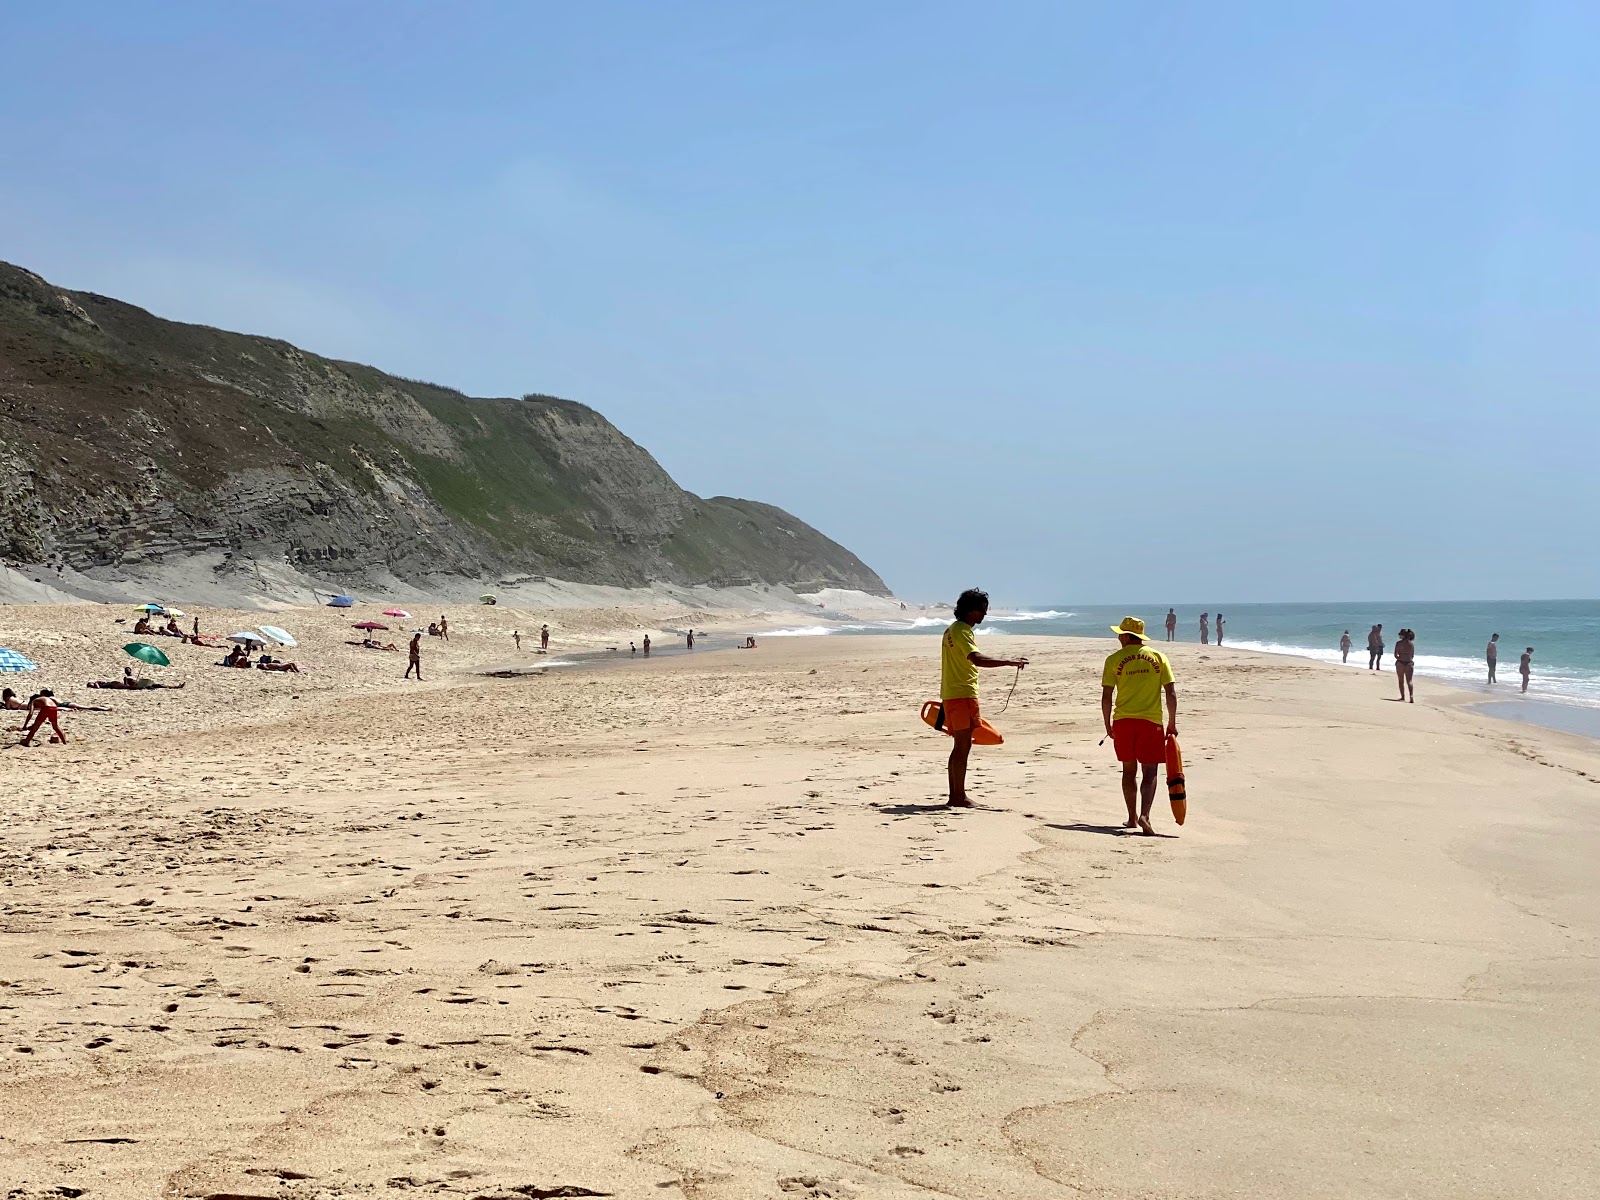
(1132, 626)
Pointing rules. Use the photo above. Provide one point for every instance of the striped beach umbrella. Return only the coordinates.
(13, 663)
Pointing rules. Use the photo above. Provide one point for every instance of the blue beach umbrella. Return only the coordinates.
(341, 602)
(14, 664)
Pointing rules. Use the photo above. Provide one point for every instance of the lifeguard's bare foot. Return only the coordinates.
(958, 802)
(1144, 827)
(1131, 823)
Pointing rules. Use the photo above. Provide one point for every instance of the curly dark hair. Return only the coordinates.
(970, 600)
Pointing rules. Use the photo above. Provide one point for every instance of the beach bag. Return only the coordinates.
(1177, 791)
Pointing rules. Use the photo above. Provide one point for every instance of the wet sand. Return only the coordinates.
(700, 927)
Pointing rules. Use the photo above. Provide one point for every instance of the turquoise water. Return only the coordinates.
(1451, 636)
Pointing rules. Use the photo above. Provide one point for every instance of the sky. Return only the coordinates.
(1192, 303)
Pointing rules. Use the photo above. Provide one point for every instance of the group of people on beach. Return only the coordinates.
(1205, 627)
(1405, 657)
(1135, 680)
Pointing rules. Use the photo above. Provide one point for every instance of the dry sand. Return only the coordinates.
(699, 927)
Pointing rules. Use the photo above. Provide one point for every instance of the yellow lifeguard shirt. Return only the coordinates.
(958, 674)
(1138, 673)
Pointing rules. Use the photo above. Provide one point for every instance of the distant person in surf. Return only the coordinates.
(1172, 626)
(1205, 629)
(1405, 661)
(1344, 647)
(647, 645)
(1132, 684)
(414, 657)
(1219, 629)
(544, 639)
(1375, 648)
(690, 638)
(1492, 653)
(959, 661)
(1526, 667)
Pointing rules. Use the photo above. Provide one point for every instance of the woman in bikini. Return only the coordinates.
(1405, 654)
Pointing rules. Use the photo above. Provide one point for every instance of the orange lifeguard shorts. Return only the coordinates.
(962, 714)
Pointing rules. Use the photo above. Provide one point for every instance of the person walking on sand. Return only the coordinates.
(1405, 661)
(1526, 667)
(1132, 684)
(43, 708)
(691, 639)
(517, 638)
(544, 639)
(1375, 648)
(1205, 629)
(1344, 647)
(959, 661)
(1492, 653)
(414, 662)
(1172, 625)
(1219, 629)
(444, 628)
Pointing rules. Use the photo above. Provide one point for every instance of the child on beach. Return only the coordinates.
(959, 661)
(44, 708)
(1131, 687)
(1344, 647)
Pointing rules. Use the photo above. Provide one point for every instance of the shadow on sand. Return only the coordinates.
(1113, 830)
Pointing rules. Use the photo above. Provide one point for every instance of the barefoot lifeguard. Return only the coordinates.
(959, 661)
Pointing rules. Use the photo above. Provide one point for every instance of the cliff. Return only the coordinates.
(126, 439)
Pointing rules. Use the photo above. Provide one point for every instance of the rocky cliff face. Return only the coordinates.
(127, 439)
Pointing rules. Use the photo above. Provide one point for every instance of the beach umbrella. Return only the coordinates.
(146, 653)
(13, 663)
(149, 608)
(341, 602)
(369, 625)
(395, 612)
(174, 612)
(247, 638)
(281, 636)
(486, 599)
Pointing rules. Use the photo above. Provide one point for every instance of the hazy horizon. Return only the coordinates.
(1295, 302)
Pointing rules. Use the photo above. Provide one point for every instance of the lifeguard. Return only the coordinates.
(1136, 676)
(959, 661)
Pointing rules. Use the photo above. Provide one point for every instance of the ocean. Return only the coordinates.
(1451, 635)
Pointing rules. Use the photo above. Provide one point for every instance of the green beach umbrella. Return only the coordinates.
(148, 654)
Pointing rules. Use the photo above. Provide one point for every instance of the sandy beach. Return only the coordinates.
(700, 926)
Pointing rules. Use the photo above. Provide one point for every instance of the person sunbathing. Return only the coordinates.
(267, 664)
(172, 629)
(143, 625)
(130, 683)
(8, 699)
(369, 644)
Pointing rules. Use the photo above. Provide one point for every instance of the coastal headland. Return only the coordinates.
(700, 926)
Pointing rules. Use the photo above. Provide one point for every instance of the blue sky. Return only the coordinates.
(1168, 302)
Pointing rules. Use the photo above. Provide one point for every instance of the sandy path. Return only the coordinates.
(696, 927)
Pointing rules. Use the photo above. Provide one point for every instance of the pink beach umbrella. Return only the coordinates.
(369, 625)
(395, 612)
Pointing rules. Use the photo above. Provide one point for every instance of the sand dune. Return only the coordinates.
(699, 927)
